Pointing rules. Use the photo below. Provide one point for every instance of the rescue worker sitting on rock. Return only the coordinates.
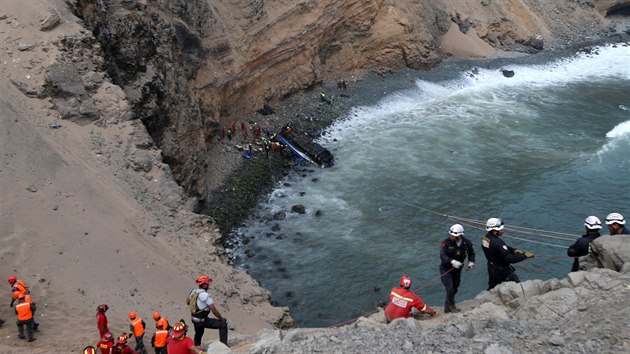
(616, 222)
(402, 300)
(499, 255)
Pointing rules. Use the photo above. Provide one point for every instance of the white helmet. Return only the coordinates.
(494, 224)
(613, 218)
(456, 230)
(593, 223)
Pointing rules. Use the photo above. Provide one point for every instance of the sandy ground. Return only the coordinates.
(72, 226)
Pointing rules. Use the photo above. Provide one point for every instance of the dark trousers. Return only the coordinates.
(29, 328)
(451, 282)
(140, 345)
(500, 274)
(214, 324)
(161, 350)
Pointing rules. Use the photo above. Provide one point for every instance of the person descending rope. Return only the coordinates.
(136, 328)
(201, 304)
(616, 222)
(402, 300)
(453, 253)
(582, 246)
(499, 255)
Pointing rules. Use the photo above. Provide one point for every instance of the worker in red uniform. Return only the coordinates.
(101, 319)
(179, 343)
(24, 311)
(18, 287)
(161, 322)
(402, 300)
(136, 328)
(122, 347)
(106, 344)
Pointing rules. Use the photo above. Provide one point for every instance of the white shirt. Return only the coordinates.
(204, 300)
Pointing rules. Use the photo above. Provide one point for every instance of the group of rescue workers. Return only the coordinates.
(454, 251)
(166, 339)
(500, 257)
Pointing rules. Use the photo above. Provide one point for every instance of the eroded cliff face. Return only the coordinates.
(191, 67)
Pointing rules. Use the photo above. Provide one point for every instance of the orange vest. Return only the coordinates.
(162, 322)
(160, 338)
(24, 311)
(18, 289)
(136, 324)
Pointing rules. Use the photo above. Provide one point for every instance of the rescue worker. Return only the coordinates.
(101, 319)
(205, 305)
(106, 344)
(122, 347)
(161, 322)
(27, 298)
(178, 343)
(18, 287)
(402, 300)
(24, 311)
(582, 246)
(158, 341)
(616, 222)
(453, 253)
(499, 255)
(136, 328)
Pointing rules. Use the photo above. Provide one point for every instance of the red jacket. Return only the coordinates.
(105, 346)
(401, 301)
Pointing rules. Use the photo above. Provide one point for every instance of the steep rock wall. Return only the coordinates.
(189, 67)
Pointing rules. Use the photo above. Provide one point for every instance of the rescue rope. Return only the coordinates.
(513, 228)
(375, 311)
(518, 238)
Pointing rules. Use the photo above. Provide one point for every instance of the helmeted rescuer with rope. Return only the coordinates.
(453, 253)
(201, 304)
(582, 246)
(402, 300)
(499, 255)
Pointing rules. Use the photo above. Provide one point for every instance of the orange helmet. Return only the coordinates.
(122, 338)
(12, 279)
(204, 279)
(156, 316)
(132, 315)
(405, 282)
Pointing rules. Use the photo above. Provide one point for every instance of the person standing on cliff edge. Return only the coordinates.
(499, 255)
(453, 253)
(582, 246)
(201, 304)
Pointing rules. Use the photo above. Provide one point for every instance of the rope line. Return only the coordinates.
(519, 238)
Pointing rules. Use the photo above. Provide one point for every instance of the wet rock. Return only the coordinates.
(508, 73)
(279, 215)
(298, 209)
(318, 213)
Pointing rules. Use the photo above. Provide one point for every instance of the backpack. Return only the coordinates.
(192, 301)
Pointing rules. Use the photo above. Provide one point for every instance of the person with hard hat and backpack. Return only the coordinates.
(136, 328)
(499, 255)
(402, 300)
(616, 222)
(201, 304)
(453, 253)
(582, 246)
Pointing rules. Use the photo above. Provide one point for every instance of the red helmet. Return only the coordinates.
(203, 279)
(122, 338)
(156, 316)
(405, 282)
(12, 279)
(108, 336)
(132, 315)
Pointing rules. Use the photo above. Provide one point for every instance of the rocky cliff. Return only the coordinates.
(189, 68)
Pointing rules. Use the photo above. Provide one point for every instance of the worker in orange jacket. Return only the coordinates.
(24, 311)
(158, 341)
(161, 322)
(402, 300)
(136, 328)
(18, 287)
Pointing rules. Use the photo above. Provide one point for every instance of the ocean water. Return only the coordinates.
(542, 150)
